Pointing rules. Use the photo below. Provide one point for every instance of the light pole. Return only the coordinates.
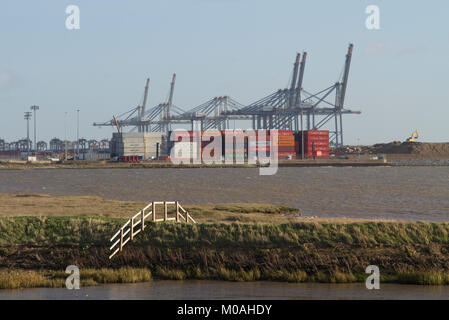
(27, 117)
(302, 139)
(78, 132)
(34, 108)
(65, 136)
(359, 148)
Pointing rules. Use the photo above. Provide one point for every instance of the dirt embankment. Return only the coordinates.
(209, 261)
(416, 149)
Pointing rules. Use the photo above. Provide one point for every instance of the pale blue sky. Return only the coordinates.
(242, 48)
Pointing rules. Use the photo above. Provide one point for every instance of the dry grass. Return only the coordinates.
(18, 279)
(47, 205)
(43, 205)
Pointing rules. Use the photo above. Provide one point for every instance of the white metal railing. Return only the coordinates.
(128, 231)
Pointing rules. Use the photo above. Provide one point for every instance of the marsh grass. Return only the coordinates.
(44, 205)
(96, 231)
(423, 278)
(16, 279)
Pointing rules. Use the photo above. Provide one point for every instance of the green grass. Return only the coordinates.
(85, 230)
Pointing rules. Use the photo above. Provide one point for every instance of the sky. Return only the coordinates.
(241, 48)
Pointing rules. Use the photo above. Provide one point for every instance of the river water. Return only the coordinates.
(405, 193)
(215, 290)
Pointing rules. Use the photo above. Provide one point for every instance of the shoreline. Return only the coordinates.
(165, 165)
(391, 161)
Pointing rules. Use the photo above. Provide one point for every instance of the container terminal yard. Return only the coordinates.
(303, 126)
(292, 110)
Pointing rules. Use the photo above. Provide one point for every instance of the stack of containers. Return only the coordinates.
(316, 143)
(285, 143)
(210, 137)
(184, 148)
(261, 146)
(235, 145)
(142, 144)
(228, 145)
(240, 146)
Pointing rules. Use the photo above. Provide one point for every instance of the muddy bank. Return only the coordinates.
(314, 262)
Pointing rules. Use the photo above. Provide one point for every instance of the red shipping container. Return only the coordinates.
(281, 132)
(285, 149)
(317, 132)
(316, 144)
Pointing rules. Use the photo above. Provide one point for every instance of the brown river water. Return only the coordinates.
(217, 290)
(405, 193)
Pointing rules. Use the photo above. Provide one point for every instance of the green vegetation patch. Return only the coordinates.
(86, 230)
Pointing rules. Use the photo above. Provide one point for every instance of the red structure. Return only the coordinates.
(316, 143)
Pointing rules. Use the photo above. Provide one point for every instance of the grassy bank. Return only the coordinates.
(37, 249)
(44, 205)
(97, 231)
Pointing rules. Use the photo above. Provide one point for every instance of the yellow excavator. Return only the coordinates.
(413, 136)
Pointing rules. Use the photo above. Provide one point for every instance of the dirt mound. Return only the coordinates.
(418, 148)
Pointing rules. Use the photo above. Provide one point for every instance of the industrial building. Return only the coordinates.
(145, 145)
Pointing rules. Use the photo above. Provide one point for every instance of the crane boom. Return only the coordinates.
(170, 99)
(116, 124)
(295, 76)
(145, 95)
(300, 78)
(345, 76)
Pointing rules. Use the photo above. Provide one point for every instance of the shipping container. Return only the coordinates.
(316, 143)
(281, 132)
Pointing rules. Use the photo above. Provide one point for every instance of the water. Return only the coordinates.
(407, 193)
(215, 290)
